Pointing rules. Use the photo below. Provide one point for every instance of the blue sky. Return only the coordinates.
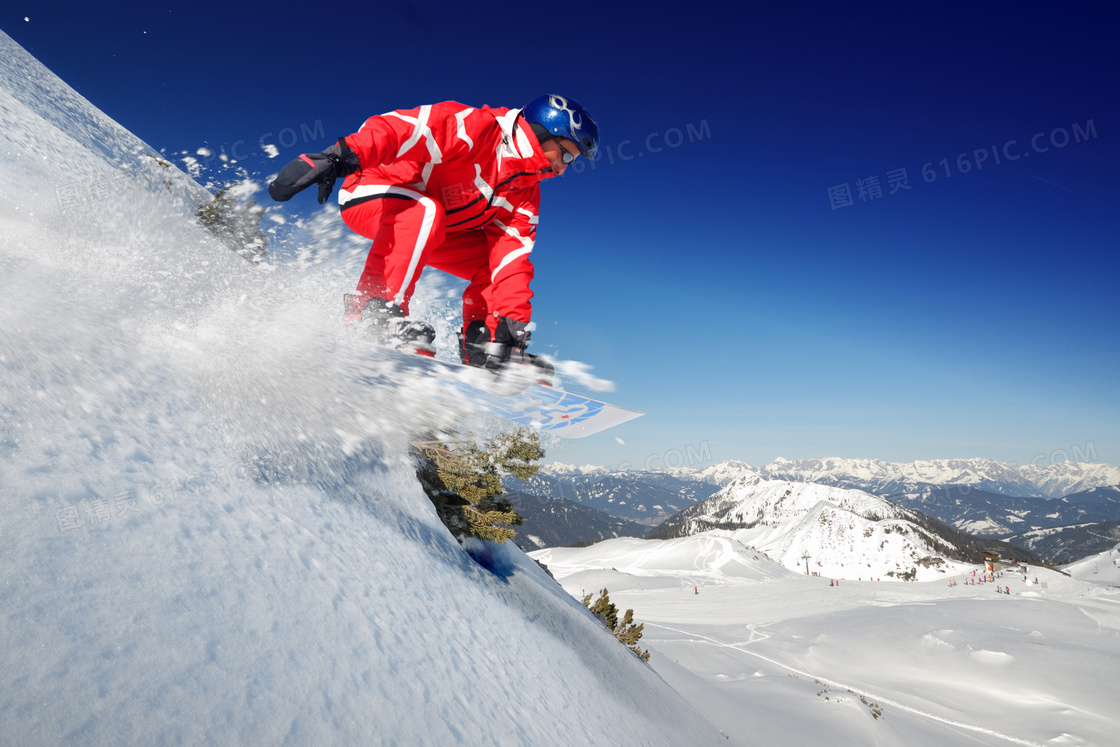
(710, 264)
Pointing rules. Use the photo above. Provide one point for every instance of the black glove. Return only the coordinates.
(314, 168)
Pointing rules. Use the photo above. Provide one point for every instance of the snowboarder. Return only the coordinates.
(456, 188)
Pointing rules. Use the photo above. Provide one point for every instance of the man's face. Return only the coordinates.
(554, 151)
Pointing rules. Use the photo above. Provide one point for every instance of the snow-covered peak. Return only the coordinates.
(723, 472)
(559, 469)
(820, 529)
(1065, 478)
(750, 500)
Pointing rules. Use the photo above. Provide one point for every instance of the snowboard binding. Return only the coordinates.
(514, 370)
(386, 323)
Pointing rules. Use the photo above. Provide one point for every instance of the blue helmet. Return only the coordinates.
(561, 116)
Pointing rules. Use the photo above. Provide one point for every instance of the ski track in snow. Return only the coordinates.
(958, 664)
(700, 638)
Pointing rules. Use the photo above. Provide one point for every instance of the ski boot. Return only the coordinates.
(506, 359)
(385, 322)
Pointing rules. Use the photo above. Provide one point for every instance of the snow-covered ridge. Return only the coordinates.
(559, 469)
(75, 157)
(715, 474)
(820, 529)
(720, 473)
(1045, 481)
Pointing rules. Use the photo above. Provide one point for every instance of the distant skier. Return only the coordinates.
(456, 188)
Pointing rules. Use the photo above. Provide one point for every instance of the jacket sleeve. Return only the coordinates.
(511, 236)
(427, 134)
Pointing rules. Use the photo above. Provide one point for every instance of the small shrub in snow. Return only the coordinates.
(624, 630)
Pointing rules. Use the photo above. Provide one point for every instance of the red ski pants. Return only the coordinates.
(407, 229)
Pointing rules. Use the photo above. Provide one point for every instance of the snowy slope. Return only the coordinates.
(1100, 568)
(211, 532)
(705, 558)
(774, 657)
(844, 533)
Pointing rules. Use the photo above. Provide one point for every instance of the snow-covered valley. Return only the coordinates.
(773, 657)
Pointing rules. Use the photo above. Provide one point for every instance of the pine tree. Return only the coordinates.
(625, 631)
(463, 480)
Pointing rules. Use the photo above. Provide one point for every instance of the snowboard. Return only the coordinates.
(524, 402)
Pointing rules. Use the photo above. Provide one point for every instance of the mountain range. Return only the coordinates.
(982, 497)
(1053, 480)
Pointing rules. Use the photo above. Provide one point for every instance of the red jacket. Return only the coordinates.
(482, 166)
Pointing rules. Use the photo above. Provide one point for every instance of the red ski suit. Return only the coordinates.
(451, 187)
